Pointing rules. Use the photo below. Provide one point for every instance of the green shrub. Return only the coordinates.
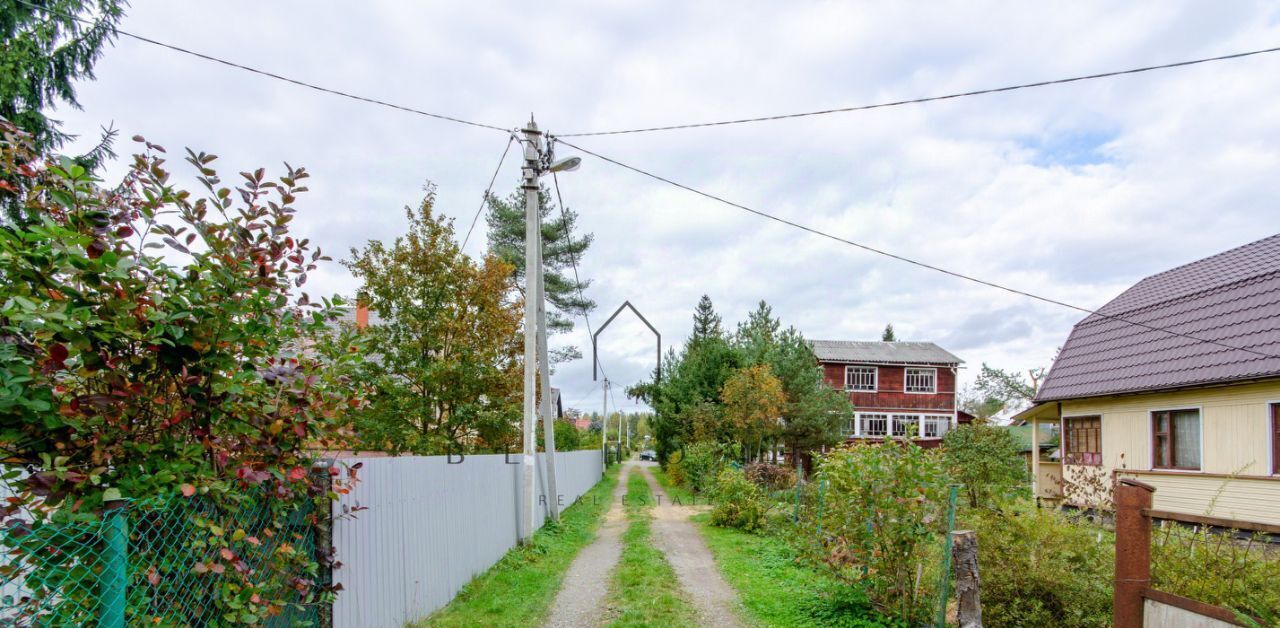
(1041, 568)
(739, 502)
(986, 461)
(701, 462)
(1240, 572)
(675, 470)
(771, 477)
(880, 520)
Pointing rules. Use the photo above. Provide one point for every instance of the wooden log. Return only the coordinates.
(964, 553)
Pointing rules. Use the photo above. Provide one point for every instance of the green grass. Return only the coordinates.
(519, 589)
(777, 589)
(644, 590)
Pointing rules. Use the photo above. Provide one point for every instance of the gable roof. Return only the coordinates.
(1232, 298)
(881, 352)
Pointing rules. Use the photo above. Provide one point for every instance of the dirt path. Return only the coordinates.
(695, 567)
(582, 597)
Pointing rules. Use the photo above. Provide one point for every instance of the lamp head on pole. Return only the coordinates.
(568, 164)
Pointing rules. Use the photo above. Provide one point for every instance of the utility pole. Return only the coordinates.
(532, 236)
(604, 425)
(544, 368)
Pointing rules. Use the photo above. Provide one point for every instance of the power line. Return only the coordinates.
(908, 260)
(269, 74)
(914, 101)
(484, 200)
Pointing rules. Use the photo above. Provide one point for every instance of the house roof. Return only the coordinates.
(881, 352)
(1231, 298)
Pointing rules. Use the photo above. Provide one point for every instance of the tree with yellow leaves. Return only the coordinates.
(753, 403)
(445, 354)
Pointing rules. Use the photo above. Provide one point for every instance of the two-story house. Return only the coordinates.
(897, 388)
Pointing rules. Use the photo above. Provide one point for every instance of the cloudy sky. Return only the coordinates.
(1073, 191)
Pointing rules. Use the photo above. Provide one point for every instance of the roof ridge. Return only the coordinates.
(1206, 259)
(1098, 315)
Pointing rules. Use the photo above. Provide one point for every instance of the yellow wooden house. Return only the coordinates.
(1175, 382)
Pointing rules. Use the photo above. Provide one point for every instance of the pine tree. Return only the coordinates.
(561, 251)
(888, 336)
(706, 322)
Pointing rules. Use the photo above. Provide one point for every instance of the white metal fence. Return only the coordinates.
(427, 527)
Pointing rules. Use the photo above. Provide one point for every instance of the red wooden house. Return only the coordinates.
(897, 388)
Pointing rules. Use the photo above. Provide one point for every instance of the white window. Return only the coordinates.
(936, 426)
(861, 378)
(874, 424)
(904, 423)
(922, 380)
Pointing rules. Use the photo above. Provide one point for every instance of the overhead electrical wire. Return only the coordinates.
(914, 101)
(871, 249)
(273, 75)
(484, 200)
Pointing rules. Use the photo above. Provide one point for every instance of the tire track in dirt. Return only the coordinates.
(584, 591)
(686, 551)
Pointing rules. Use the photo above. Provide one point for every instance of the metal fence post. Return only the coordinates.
(1133, 552)
(114, 579)
(944, 584)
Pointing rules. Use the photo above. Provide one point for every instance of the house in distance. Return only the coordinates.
(898, 389)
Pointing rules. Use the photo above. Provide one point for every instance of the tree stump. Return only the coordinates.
(964, 557)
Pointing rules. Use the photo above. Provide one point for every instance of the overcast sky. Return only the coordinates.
(1072, 191)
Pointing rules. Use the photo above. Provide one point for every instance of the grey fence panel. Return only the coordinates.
(416, 529)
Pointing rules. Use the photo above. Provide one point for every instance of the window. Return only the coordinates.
(922, 380)
(1275, 438)
(936, 426)
(902, 423)
(850, 425)
(1084, 440)
(1175, 439)
(874, 424)
(860, 378)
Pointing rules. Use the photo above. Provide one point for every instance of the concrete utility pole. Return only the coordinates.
(544, 368)
(532, 236)
(604, 425)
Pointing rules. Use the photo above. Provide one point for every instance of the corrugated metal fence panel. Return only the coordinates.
(427, 527)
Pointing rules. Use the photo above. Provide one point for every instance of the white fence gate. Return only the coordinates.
(427, 527)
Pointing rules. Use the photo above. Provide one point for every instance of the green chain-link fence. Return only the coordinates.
(144, 563)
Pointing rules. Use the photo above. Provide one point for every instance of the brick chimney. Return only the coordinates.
(362, 315)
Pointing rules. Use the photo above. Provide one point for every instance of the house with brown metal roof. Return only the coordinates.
(1175, 382)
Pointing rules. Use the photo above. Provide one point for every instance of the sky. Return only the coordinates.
(1073, 192)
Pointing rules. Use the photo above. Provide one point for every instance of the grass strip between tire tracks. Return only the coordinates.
(644, 590)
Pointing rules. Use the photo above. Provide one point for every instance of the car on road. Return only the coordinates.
(648, 454)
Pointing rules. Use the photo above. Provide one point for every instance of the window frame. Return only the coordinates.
(906, 378)
(1065, 440)
(940, 421)
(1171, 445)
(861, 426)
(1274, 424)
(875, 378)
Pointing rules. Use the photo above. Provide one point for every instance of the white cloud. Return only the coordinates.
(1185, 167)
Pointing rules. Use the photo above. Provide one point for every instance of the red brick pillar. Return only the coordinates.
(1133, 551)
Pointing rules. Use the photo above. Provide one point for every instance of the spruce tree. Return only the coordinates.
(706, 322)
(42, 52)
(888, 336)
